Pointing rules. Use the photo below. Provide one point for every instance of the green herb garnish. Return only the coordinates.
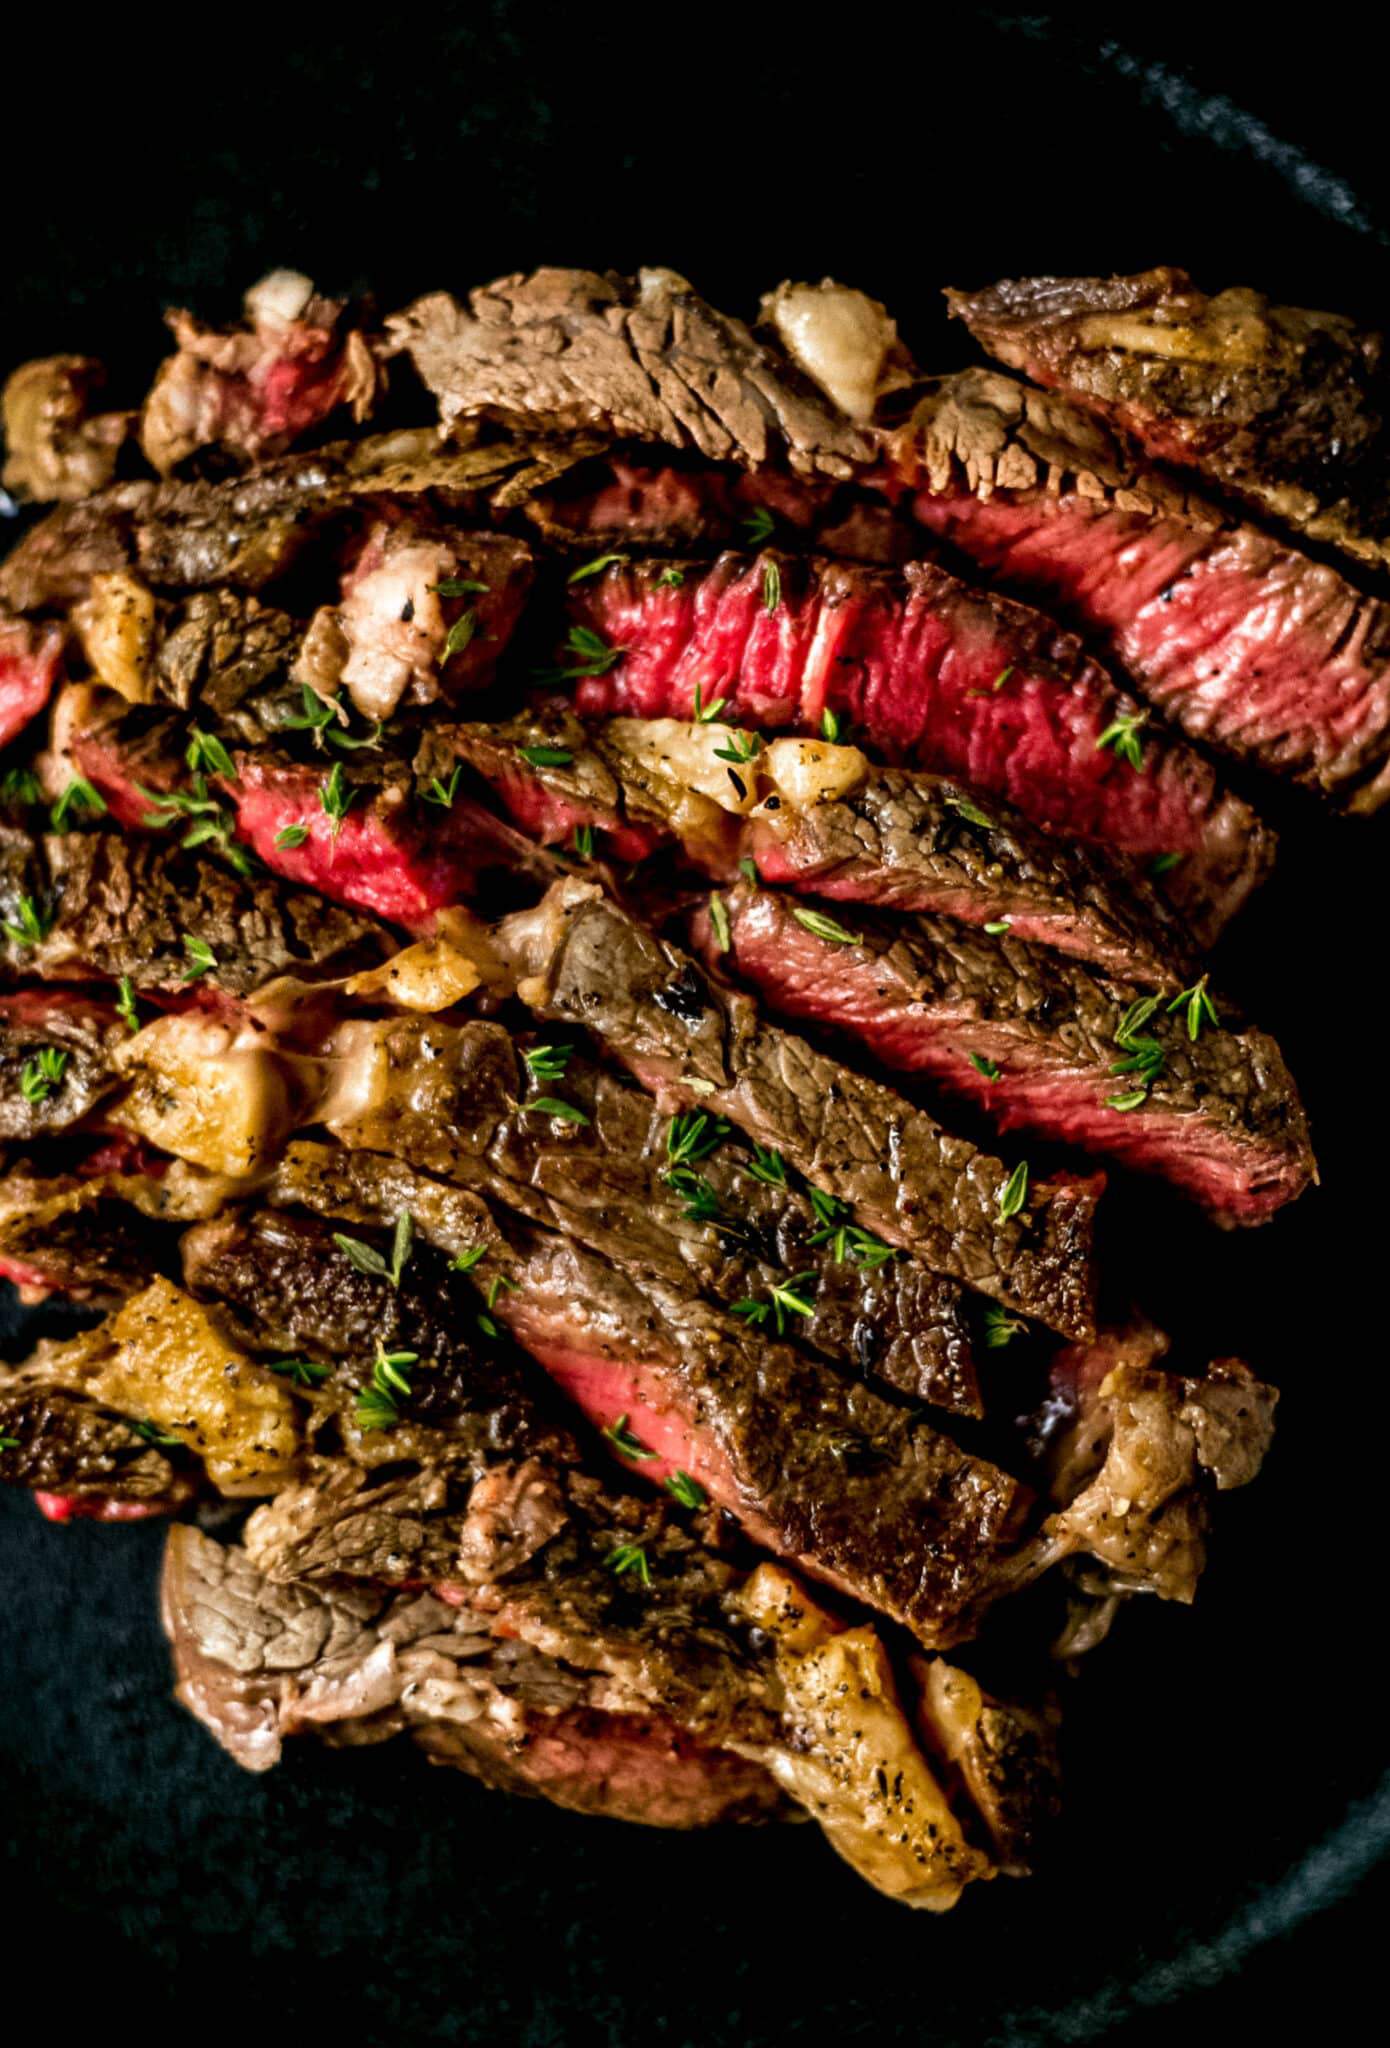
(971, 812)
(768, 1166)
(592, 655)
(583, 842)
(692, 1136)
(822, 927)
(772, 586)
(30, 929)
(460, 634)
(831, 726)
(79, 795)
(1001, 1328)
(367, 1259)
(546, 757)
(378, 1404)
(548, 1062)
(719, 920)
(290, 836)
(303, 1372)
(997, 926)
(624, 1442)
(466, 1261)
(630, 1557)
(984, 1066)
(551, 1105)
(705, 714)
(1123, 737)
(125, 1003)
(1199, 1007)
(594, 568)
(685, 1491)
(200, 958)
(1164, 863)
(759, 526)
(335, 798)
(443, 793)
(43, 1074)
(1014, 1192)
(206, 755)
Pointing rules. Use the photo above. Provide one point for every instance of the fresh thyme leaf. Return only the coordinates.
(822, 927)
(768, 1166)
(318, 712)
(460, 633)
(630, 1557)
(831, 726)
(443, 793)
(594, 568)
(349, 743)
(546, 757)
(971, 812)
(719, 919)
(458, 586)
(829, 1208)
(624, 1442)
(685, 1491)
(759, 526)
(748, 868)
(583, 842)
(206, 755)
(1164, 863)
(984, 1066)
(335, 797)
(592, 655)
(705, 714)
(551, 1105)
(1014, 1192)
(125, 1003)
(548, 1062)
(302, 1372)
(670, 579)
(702, 1204)
(79, 795)
(20, 786)
(998, 926)
(772, 586)
(367, 1259)
(1130, 1101)
(290, 836)
(378, 1404)
(1134, 1018)
(153, 1434)
(692, 1136)
(1001, 679)
(754, 1312)
(43, 1074)
(487, 1325)
(466, 1261)
(788, 1298)
(499, 1284)
(742, 747)
(1198, 1007)
(1001, 1328)
(1122, 736)
(200, 958)
(9, 1443)
(30, 929)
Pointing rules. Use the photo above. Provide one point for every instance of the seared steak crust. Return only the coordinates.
(54, 1441)
(586, 962)
(1282, 406)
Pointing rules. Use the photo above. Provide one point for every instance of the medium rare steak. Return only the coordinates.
(822, 819)
(858, 1490)
(928, 672)
(31, 658)
(55, 1061)
(583, 961)
(654, 1193)
(1248, 645)
(126, 906)
(1041, 1045)
(1283, 407)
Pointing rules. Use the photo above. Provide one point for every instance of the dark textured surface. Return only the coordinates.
(1227, 1835)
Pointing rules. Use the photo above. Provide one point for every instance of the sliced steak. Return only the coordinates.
(645, 358)
(57, 445)
(456, 1101)
(1284, 407)
(1245, 643)
(823, 1471)
(31, 658)
(255, 390)
(583, 961)
(928, 672)
(822, 819)
(1041, 1045)
(130, 907)
(293, 1289)
(56, 1443)
(56, 1061)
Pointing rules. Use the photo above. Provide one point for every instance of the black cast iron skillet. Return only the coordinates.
(1228, 1813)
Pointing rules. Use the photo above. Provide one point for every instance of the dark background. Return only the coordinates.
(1229, 1821)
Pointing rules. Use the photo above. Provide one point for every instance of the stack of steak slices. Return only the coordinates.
(496, 912)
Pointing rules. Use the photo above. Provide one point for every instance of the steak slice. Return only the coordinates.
(1041, 1045)
(1248, 645)
(585, 962)
(863, 834)
(31, 658)
(127, 906)
(651, 1193)
(86, 1456)
(55, 1061)
(1283, 407)
(860, 1492)
(928, 672)
(644, 357)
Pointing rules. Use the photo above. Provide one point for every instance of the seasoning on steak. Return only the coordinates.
(128, 906)
(1283, 407)
(931, 673)
(95, 1232)
(817, 1468)
(455, 1100)
(643, 358)
(256, 390)
(583, 961)
(1041, 1045)
(1248, 645)
(53, 1441)
(821, 818)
